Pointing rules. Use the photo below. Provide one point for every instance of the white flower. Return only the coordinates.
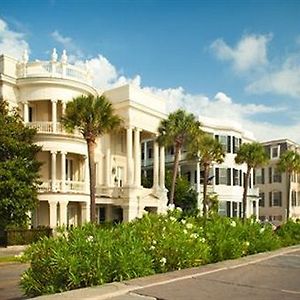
(184, 231)
(233, 224)
(183, 221)
(171, 207)
(194, 235)
(172, 219)
(164, 229)
(189, 226)
(247, 244)
(152, 247)
(154, 242)
(163, 261)
(202, 240)
(179, 209)
(262, 230)
(90, 238)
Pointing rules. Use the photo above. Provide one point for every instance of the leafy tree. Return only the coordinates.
(253, 155)
(184, 195)
(289, 162)
(207, 150)
(93, 117)
(177, 130)
(19, 169)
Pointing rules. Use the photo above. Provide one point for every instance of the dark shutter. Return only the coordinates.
(240, 142)
(217, 176)
(270, 199)
(228, 144)
(250, 182)
(233, 144)
(270, 175)
(244, 179)
(228, 176)
(263, 175)
(217, 137)
(254, 174)
(280, 199)
(241, 178)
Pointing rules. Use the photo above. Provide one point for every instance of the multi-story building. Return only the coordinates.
(273, 185)
(226, 179)
(41, 90)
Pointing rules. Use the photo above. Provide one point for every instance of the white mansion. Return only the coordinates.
(41, 90)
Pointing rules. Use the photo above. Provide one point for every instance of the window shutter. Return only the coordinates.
(228, 176)
(244, 179)
(250, 181)
(254, 174)
(270, 175)
(263, 175)
(217, 176)
(228, 144)
(270, 199)
(241, 178)
(233, 144)
(280, 199)
(240, 142)
(217, 137)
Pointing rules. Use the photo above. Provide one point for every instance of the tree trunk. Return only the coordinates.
(245, 193)
(92, 170)
(175, 171)
(288, 196)
(205, 182)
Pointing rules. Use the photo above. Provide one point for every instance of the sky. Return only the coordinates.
(230, 60)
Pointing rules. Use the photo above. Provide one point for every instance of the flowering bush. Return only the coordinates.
(92, 255)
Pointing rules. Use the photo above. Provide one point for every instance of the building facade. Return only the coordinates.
(273, 185)
(41, 90)
(226, 179)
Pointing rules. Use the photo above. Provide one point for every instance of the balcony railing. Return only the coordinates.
(53, 69)
(47, 127)
(70, 186)
(111, 192)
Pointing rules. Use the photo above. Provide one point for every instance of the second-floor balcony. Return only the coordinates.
(50, 127)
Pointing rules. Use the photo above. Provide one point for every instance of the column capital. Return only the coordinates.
(64, 152)
(53, 151)
(128, 127)
(52, 202)
(137, 129)
(54, 100)
(25, 102)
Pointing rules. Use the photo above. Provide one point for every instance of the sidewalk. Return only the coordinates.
(126, 289)
(11, 250)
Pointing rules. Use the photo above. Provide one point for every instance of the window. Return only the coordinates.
(260, 176)
(294, 200)
(275, 152)
(262, 199)
(270, 175)
(150, 150)
(236, 144)
(30, 114)
(275, 199)
(69, 169)
(236, 179)
(223, 141)
(276, 176)
(223, 176)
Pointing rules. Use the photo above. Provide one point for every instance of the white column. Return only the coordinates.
(63, 107)
(108, 167)
(85, 212)
(86, 174)
(25, 112)
(54, 114)
(63, 211)
(257, 209)
(145, 154)
(63, 171)
(129, 156)
(52, 214)
(53, 171)
(155, 165)
(198, 187)
(162, 167)
(137, 157)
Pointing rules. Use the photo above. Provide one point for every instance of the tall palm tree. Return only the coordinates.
(253, 155)
(177, 130)
(207, 150)
(289, 162)
(93, 117)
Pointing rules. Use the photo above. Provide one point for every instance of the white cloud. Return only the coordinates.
(12, 43)
(249, 53)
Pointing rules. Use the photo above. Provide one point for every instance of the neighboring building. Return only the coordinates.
(273, 185)
(226, 179)
(41, 90)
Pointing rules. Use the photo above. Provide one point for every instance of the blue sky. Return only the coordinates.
(237, 60)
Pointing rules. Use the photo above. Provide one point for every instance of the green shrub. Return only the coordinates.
(289, 233)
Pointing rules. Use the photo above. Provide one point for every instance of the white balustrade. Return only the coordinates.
(70, 186)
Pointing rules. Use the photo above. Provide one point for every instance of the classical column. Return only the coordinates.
(108, 167)
(129, 155)
(53, 171)
(198, 187)
(52, 213)
(145, 154)
(25, 112)
(108, 213)
(162, 167)
(63, 211)
(63, 171)
(54, 114)
(137, 157)
(63, 107)
(257, 209)
(155, 165)
(86, 174)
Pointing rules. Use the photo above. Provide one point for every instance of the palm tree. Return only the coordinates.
(253, 155)
(93, 117)
(289, 162)
(207, 151)
(177, 130)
